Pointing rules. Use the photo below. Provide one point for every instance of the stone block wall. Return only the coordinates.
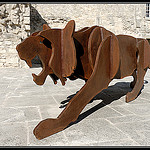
(57, 15)
(14, 26)
(119, 18)
(18, 21)
(125, 19)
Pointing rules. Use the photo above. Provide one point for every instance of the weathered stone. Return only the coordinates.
(27, 11)
(27, 27)
(3, 60)
(27, 20)
(1, 64)
(15, 22)
(12, 23)
(11, 60)
(2, 56)
(7, 42)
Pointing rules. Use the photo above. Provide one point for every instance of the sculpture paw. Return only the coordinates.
(130, 96)
(46, 128)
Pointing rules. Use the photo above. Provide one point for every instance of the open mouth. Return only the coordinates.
(41, 77)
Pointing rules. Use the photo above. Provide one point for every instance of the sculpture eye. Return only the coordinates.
(41, 42)
(47, 43)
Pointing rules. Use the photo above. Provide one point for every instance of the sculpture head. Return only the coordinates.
(62, 60)
(27, 50)
(29, 47)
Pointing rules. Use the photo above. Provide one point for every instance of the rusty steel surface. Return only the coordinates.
(93, 54)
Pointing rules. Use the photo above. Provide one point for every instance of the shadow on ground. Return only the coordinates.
(112, 93)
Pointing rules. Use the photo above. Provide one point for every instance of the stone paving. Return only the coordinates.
(106, 121)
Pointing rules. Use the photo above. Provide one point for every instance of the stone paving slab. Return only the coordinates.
(13, 134)
(106, 121)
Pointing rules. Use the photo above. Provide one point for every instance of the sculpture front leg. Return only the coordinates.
(46, 128)
(71, 112)
(98, 81)
(138, 86)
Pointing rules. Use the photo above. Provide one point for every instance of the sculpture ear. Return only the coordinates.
(108, 52)
(70, 27)
(68, 50)
(45, 27)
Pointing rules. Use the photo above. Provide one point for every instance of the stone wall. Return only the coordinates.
(14, 26)
(57, 15)
(125, 19)
(118, 18)
(18, 21)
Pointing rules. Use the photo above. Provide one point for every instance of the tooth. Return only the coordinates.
(34, 75)
(29, 63)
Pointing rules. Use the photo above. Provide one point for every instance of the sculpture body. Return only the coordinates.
(93, 54)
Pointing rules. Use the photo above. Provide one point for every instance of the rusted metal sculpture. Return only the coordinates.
(93, 54)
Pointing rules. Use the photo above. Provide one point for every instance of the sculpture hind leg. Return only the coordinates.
(98, 81)
(142, 65)
(132, 84)
(138, 86)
